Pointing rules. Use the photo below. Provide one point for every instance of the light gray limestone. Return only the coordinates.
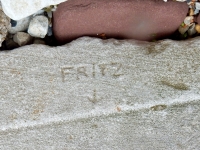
(38, 26)
(19, 9)
(101, 94)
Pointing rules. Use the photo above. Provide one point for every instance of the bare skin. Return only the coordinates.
(125, 19)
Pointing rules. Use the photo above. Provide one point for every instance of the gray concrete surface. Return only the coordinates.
(93, 94)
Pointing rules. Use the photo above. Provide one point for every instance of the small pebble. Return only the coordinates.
(192, 30)
(38, 26)
(182, 29)
(22, 38)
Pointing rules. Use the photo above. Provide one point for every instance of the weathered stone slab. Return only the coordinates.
(94, 94)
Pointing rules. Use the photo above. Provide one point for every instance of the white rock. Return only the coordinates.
(38, 27)
(22, 25)
(19, 9)
(93, 94)
(22, 38)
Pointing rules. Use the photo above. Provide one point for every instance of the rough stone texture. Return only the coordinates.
(38, 26)
(19, 9)
(94, 94)
(130, 19)
(22, 38)
(22, 25)
(4, 24)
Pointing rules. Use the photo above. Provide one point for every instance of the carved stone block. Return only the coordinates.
(94, 94)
